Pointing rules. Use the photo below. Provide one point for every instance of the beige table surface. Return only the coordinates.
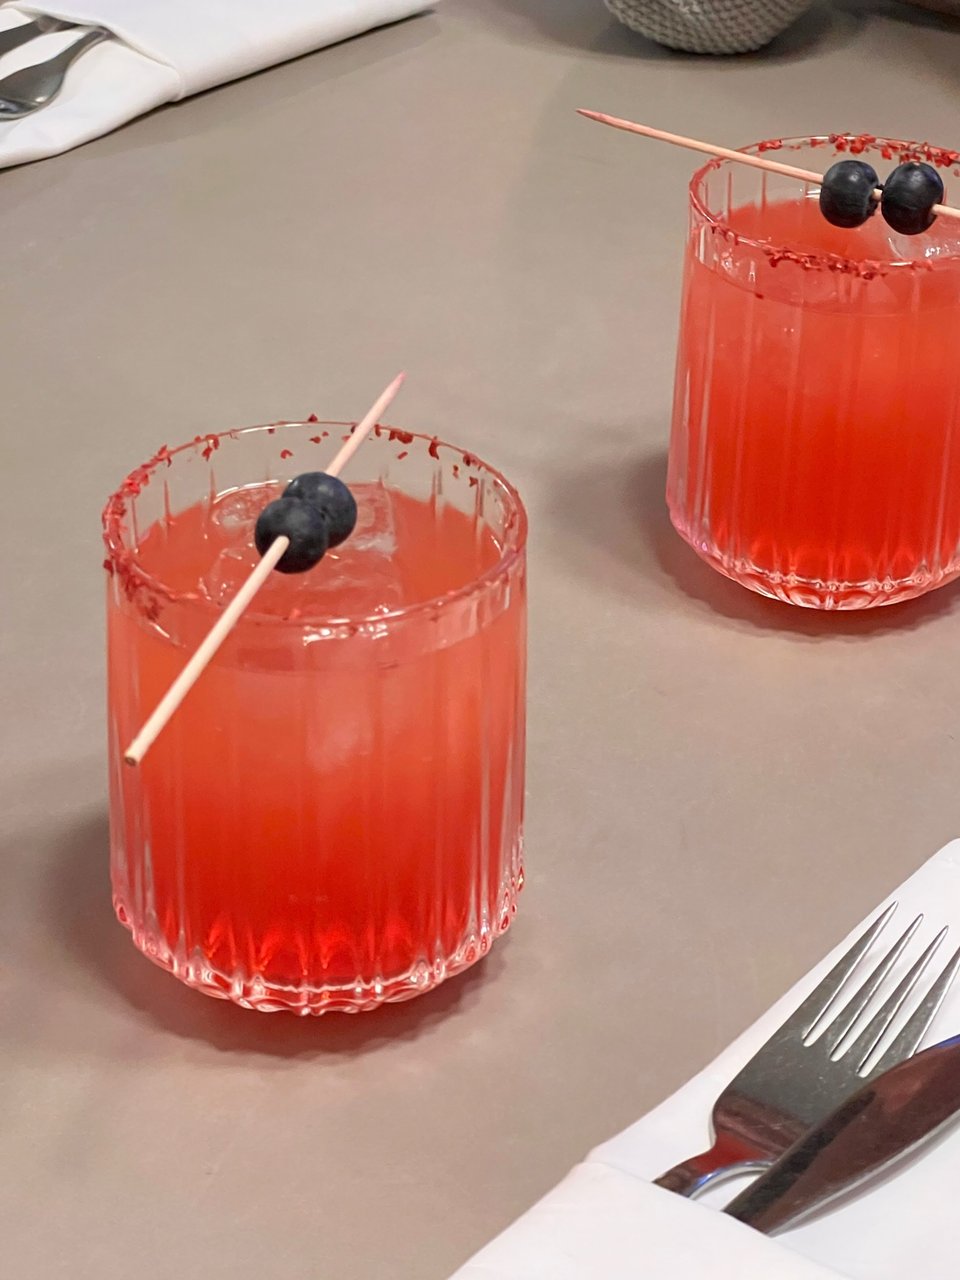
(719, 786)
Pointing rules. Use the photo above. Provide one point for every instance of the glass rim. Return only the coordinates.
(849, 144)
(121, 558)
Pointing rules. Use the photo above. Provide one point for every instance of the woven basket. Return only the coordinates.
(724, 26)
(709, 26)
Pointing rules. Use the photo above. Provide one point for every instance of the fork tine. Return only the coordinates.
(910, 1038)
(845, 1020)
(808, 1014)
(861, 1048)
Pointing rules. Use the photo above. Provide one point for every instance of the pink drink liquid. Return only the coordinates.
(816, 444)
(324, 823)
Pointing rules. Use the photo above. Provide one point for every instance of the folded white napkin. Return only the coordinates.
(165, 50)
(606, 1221)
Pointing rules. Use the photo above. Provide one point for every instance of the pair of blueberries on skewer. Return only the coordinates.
(906, 201)
(316, 512)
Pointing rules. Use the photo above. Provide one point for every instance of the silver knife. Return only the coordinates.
(883, 1121)
(13, 37)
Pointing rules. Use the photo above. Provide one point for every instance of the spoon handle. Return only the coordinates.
(51, 74)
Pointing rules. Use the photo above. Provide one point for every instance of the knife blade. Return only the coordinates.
(884, 1120)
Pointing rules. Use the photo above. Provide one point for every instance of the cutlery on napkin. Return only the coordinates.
(607, 1221)
(887, 1119)
(165, 50)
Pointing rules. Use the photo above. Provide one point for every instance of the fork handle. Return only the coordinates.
(722, 1161)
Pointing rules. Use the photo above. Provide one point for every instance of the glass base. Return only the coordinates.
(815, 593)
(360, 996)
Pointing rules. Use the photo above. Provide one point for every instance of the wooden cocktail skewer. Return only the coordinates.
(727, 153)
(185, 681)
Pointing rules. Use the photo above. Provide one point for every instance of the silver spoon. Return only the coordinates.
(33, 87)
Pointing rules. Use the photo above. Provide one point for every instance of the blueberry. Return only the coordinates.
(299, 521)
(846, 196)
(332, 498)
(909, 195)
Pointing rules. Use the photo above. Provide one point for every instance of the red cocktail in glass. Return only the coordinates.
(333, 818)
(815, 454)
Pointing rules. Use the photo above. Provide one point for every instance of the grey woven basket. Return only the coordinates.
(709, 26)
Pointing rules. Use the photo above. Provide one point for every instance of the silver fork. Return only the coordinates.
(31, 88)
(794, 1081)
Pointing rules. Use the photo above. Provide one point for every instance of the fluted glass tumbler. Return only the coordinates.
(814, 452)
(333, 818)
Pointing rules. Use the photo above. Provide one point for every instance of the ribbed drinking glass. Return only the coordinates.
(333, 818)
(814, 453)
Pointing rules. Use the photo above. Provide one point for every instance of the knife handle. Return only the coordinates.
(13, 37)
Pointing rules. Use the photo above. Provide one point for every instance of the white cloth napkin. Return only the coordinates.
(606, 1221)
(165, 50)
